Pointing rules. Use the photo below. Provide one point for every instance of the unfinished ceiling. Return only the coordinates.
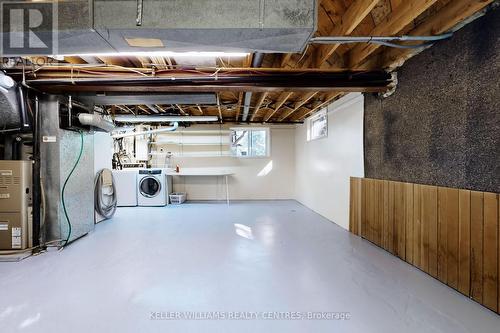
(349, 67)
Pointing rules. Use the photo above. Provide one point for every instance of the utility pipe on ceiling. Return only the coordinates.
(162, 119)
(172, 128)
(247, 99)
(381, 40)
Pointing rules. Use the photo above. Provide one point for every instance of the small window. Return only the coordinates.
(249, 142)
(317, 126)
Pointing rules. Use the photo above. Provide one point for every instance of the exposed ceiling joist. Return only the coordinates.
(181, 110)
(444, 20)
(303, 100)
(125, 108)
(144, 109)
(158, 107)
(283, 97)
(327, 100)
(75, 60)
(221, 118)
(404, 14)
(258, 105)
(285, 59)
(198, 107)
(238, 106)
(356, 13)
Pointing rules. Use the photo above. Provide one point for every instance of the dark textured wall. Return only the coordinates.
(442, 125)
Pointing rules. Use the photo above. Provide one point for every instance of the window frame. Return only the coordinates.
(252, 129)
(311, 120)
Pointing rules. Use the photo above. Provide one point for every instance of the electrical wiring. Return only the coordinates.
(64, 189)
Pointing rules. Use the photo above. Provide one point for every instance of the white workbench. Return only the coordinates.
(193, 172)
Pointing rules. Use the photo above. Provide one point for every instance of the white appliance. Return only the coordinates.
(152, 187)
(126, 187)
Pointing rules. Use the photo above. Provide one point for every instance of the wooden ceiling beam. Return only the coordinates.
(258, 105)
(306, 98)
(75, 60)
(285, 58)
(205, 89)
(328, 99)
(181, 110)
(404, 14)
(159, 108)
(221, 118)
(444, 20)
(114, 61)
(144, 109)
(199, 109)
(124, 108)
(283, 97)
(238, 106)
(353, 16)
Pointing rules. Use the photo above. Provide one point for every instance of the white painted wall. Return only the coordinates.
(249, 182)
(323, 166)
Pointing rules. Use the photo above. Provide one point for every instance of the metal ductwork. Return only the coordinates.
(256, 62)
(172, 128)
(105, 26)
(96, 120)
(162, 119)
(117, 98)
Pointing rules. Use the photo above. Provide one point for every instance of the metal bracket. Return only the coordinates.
(138, 20)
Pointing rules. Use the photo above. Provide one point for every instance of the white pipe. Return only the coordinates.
(123, 118)
(96, 120)
(160, 130)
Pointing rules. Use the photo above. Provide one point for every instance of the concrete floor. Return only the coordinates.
(251, 256)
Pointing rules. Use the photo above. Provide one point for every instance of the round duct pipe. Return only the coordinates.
(172, 128)
(96, 120)
(162, 119)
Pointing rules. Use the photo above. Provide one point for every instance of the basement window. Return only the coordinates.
(317, 126)
(250, 142)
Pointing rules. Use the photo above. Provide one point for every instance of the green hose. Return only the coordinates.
(64, 188)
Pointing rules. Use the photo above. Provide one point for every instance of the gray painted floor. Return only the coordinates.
(251, 256)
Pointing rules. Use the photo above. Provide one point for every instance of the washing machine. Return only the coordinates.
(152, 187)
(126, 187)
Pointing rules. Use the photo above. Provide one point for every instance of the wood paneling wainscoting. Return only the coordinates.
(451, 234)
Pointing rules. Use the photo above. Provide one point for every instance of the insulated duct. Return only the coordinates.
(96, 120)
(13, 115)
